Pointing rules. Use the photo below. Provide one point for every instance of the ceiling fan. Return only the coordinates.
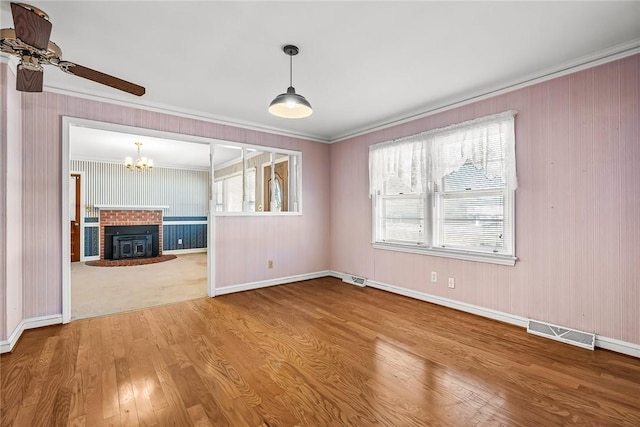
(30, 42)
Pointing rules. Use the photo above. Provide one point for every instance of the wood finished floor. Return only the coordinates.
(314, 353)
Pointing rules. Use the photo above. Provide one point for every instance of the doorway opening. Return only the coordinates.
(175, 192)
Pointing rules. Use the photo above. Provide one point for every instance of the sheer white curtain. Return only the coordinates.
(411, 162)
(488, 143)
(397, 167)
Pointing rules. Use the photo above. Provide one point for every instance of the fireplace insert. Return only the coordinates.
(131, 241)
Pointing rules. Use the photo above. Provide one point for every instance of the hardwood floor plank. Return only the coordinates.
(39, 372)
(92, 375)
(147, 384)
(199, 417)
(313, 353)
(109, 383)
(77, 387)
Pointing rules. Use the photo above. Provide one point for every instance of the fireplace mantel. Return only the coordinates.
(131, 207)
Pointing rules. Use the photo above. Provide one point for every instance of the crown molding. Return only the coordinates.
(186, 113)
(582, 63)
(585, 62)
(13, 62)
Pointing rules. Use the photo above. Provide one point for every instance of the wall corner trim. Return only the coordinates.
(35, 322)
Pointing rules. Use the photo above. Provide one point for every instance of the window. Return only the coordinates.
(229, 193)
(250, 190)
(447, 192)
(253, 180)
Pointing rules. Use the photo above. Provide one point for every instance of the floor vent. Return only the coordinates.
(354, 280)
(558, 333)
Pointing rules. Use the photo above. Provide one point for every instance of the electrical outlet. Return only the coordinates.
(434, 276)
(179, 241)
(452, 282)
(270, 263)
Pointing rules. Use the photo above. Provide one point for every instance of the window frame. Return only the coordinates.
(432, 224)
(297, 174)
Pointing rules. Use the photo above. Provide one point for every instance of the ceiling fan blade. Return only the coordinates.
(98, 77)
(29, 80)
(31, 27)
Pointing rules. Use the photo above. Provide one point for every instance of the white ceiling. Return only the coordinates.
(361, 64)
(87, 143)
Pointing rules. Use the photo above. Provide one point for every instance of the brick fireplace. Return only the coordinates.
(129, 217)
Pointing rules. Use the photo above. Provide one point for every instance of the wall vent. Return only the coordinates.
(559, 333)
(354, 280)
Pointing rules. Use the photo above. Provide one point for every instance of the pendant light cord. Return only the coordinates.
(290, 70)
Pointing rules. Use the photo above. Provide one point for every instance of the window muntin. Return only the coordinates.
(447, 191)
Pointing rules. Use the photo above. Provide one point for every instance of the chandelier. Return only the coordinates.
(141, 163)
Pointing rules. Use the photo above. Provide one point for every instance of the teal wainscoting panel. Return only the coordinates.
(194, 236)
(91, 237)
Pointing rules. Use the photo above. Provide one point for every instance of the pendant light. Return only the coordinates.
(290, 105)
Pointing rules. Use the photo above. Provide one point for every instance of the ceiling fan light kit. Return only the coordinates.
(30, 42)
(290, 105)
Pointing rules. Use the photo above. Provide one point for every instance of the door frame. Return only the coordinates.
(82, 213)
(67, 123)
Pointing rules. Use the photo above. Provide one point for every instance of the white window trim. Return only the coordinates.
(445, 253)
(462, 254)
(429, 195)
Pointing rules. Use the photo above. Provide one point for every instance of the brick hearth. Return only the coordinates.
(130, 262)
(110, 217)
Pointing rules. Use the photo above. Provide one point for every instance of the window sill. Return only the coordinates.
(448, 253)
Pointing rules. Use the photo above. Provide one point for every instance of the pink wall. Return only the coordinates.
(577, 207)
(297, 244)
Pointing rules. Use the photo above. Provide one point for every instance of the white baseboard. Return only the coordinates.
(446, 302)
(35, 322)
(90, 258)
(612, 344)
(184, 251)
(272, 282)
(618, 346)
(335, 274)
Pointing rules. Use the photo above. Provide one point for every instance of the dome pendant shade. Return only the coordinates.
(290, 105)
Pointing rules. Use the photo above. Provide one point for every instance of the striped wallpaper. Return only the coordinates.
(243, 244)
(185, 191)
(577, 207)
